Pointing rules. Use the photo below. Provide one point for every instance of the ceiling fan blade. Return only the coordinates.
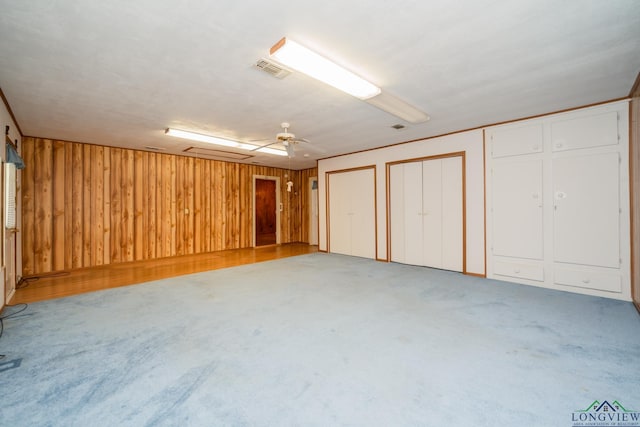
(311, 148)
(264, 146)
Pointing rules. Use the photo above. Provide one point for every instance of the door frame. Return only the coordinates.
(279, 206)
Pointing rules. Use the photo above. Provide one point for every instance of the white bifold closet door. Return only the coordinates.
(352, 213)
(427, 213)
(452, 214)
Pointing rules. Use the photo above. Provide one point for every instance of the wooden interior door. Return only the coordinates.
(265, 199)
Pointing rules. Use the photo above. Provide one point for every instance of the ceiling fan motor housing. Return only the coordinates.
(285, 136)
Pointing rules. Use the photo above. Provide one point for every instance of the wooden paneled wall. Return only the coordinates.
(85, 205)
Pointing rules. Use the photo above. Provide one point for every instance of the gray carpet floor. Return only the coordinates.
(318, 340)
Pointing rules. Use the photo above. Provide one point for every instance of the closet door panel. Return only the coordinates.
(452, 226)
(413, 213)
(591, 131)
(432, 213)
(515, 141)
(363, 225)
(339, 213)
(587, 210)
(396, 214)
(517, 209)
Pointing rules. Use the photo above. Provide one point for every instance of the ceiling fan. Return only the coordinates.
(287, 139)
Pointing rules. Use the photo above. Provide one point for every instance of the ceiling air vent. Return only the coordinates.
(272, 68)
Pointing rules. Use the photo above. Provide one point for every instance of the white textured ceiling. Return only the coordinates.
(119, 72)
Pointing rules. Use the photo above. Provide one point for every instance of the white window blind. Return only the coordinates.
(10, 195)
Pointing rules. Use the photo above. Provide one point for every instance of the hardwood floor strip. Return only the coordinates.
(73, 282)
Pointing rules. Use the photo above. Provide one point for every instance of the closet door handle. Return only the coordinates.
(561, 195)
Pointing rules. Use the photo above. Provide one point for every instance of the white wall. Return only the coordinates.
(471, 142)
(8, 267)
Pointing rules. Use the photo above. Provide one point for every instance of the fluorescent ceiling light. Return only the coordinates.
(300, 58)
(222, 141)
(310, 63)
(270, 150)
(396, 106)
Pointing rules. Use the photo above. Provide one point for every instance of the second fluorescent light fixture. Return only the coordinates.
(298, 57)
(222, 141)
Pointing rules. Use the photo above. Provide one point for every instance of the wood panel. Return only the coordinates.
(140, 182)
(27, 194)
(106, 192)
(127, 204)
(180, 206)
(189, 205)
(150, 214)
(43, 229)
(116, 205)
(198, 222)
(97, 207)
(88, 205)
(208, 212)
(87, 218)
(59, 236)
(303, 204)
